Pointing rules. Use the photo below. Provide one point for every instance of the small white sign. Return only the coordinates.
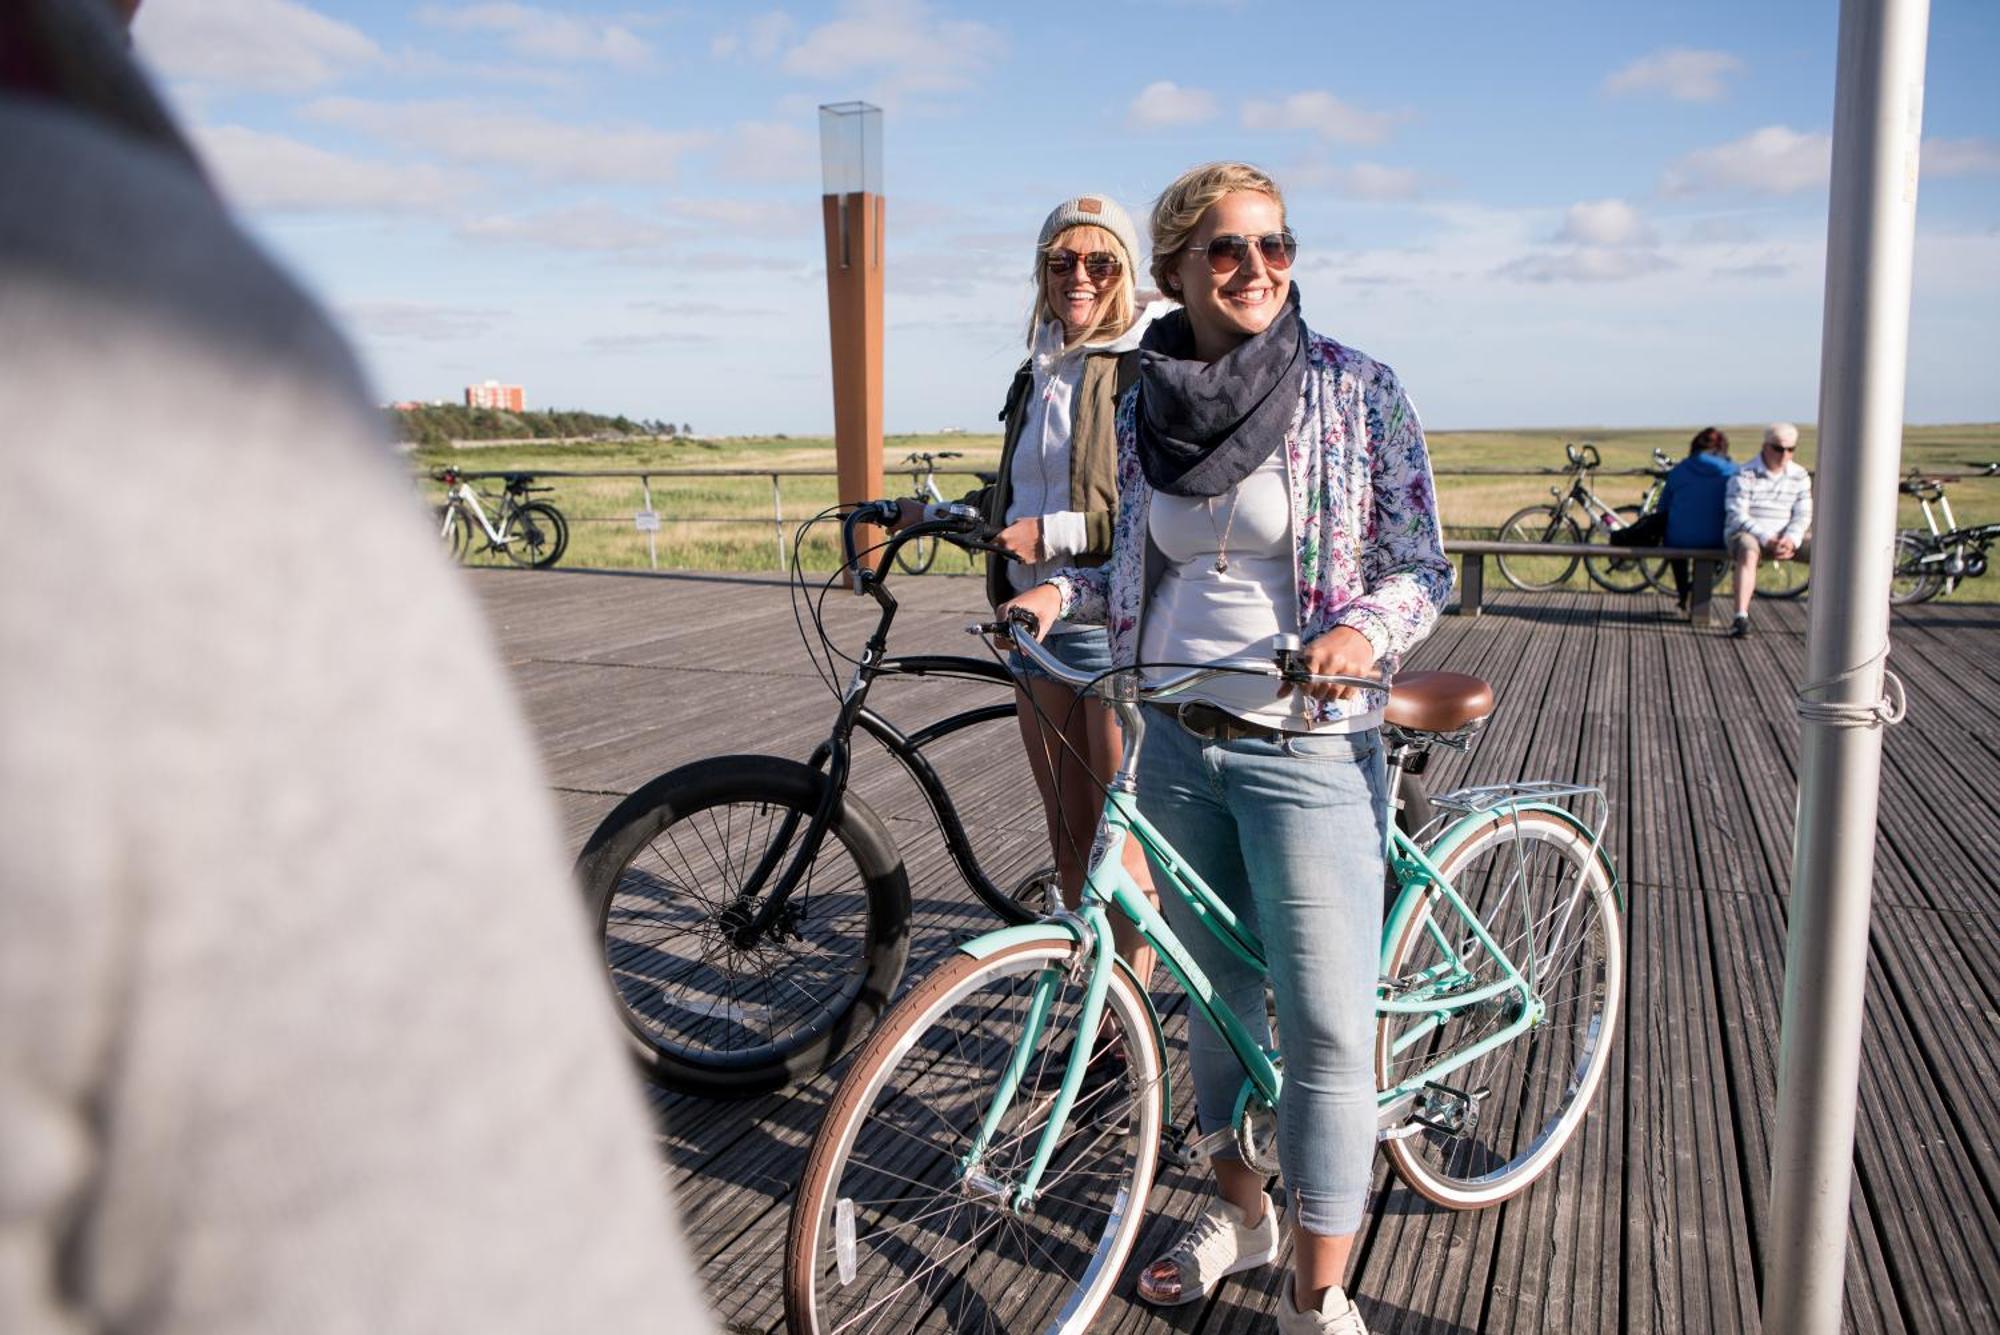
(647, 521)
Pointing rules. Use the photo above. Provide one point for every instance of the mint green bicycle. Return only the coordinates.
(980, 1169)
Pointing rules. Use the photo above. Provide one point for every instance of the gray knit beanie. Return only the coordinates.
(1093, 211)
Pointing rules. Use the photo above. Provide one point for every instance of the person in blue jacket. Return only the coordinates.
(1693, 501)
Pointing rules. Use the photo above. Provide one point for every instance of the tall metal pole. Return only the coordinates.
(1871, 222)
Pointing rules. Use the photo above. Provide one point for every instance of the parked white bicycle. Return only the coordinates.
(531, 533)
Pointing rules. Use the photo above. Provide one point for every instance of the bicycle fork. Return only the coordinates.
(1092, 926)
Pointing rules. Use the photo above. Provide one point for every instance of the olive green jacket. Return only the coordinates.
(1093, 457)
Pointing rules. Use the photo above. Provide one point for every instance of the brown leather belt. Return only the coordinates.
(1210, 724)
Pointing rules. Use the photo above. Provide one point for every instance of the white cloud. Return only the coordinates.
(1586, 264)
(472, 134)
(776, 151)
(1775, 160)
(546, 35)
(1682, 74)
(273, 173)
(754, 217)
(1320, 113)
(1166, 103)
(1605, 222)
(597, 228)
(910, 49)
(1360, 180)
(420, 320)
(760, 39)
(1961, 157)
(266, 45)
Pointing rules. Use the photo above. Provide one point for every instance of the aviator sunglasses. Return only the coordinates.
(1227, 252)
(1100, 265)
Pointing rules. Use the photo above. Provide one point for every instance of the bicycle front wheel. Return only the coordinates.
(1484, 1132)
(662, 877)
(1614, 571)
(1538, 523)
(1912, 580)
(538, 535)
(894, 1230)
(454, 529)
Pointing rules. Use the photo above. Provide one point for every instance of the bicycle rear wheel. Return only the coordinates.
(890, 1232)
(1617, 573)
(1913, 580)
(1484, 1132)
(1782, 579)
(662, 876)
(537, 535)
(916, 555)
(1538, 523)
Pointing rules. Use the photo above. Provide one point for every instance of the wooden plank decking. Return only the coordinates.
(1657, 1217)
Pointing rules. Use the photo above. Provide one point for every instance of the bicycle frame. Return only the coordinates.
(751, 919)
(466, 498)
(1440, 993)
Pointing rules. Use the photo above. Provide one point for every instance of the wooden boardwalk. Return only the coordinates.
(1657, 1218)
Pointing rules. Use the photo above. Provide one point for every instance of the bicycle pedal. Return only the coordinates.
(1449, 1111)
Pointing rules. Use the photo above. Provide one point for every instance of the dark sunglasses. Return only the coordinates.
(1784, 449)
(1101, 265)
(1227, 252)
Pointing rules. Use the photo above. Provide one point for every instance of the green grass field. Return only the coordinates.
(603, 535)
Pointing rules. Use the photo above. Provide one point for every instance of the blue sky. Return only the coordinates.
(1549, 214)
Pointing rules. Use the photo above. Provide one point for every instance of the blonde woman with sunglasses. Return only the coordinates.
(1053, 504)
(1271, 481)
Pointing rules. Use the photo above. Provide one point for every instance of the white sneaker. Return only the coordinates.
(1336, 1315)
(1218, 1244)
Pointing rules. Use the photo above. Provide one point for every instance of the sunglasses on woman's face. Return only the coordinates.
(1227, 252)
(1101, 265)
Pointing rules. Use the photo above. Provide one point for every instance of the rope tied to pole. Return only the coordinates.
(1890, 709)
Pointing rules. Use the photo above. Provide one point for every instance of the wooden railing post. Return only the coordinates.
(1471, 583)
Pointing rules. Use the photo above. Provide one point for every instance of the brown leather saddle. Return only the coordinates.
(1437, 701)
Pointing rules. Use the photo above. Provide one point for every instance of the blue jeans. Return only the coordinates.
(1289, 836)
(1086, 650)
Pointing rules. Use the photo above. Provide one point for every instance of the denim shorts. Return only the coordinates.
(1085, 649)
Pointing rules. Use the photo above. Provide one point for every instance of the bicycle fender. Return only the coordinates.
(1068, 933)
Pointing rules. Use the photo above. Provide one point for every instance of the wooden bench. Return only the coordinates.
(1472, 554)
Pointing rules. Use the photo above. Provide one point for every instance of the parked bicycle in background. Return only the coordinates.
(915, 557)
(531, 533)
(1933, 560)
(1579, 515)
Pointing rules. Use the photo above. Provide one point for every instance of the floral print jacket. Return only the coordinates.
(1368, 548)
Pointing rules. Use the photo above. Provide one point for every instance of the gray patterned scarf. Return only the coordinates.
(1205, 426)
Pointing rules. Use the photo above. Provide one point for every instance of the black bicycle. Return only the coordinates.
(1933, 562)
(755, 914)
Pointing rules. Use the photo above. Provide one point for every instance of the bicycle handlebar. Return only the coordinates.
(960, 525)
(1283, 663)
(1583, 456)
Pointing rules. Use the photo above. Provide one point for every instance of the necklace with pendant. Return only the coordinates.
(1222, 534)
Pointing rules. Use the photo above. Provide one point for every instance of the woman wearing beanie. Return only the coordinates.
(1271, 480)
(1053, 504)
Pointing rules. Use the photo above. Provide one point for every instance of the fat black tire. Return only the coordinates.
(652, 876)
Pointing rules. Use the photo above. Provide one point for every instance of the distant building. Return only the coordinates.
(493, 394)
(406, 405)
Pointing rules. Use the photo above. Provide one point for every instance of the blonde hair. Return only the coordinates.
(1116, 315)
(1177, 212)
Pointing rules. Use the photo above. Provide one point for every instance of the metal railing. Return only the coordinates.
(648, 519)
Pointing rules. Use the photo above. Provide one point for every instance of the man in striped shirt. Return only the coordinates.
(1767, 512)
